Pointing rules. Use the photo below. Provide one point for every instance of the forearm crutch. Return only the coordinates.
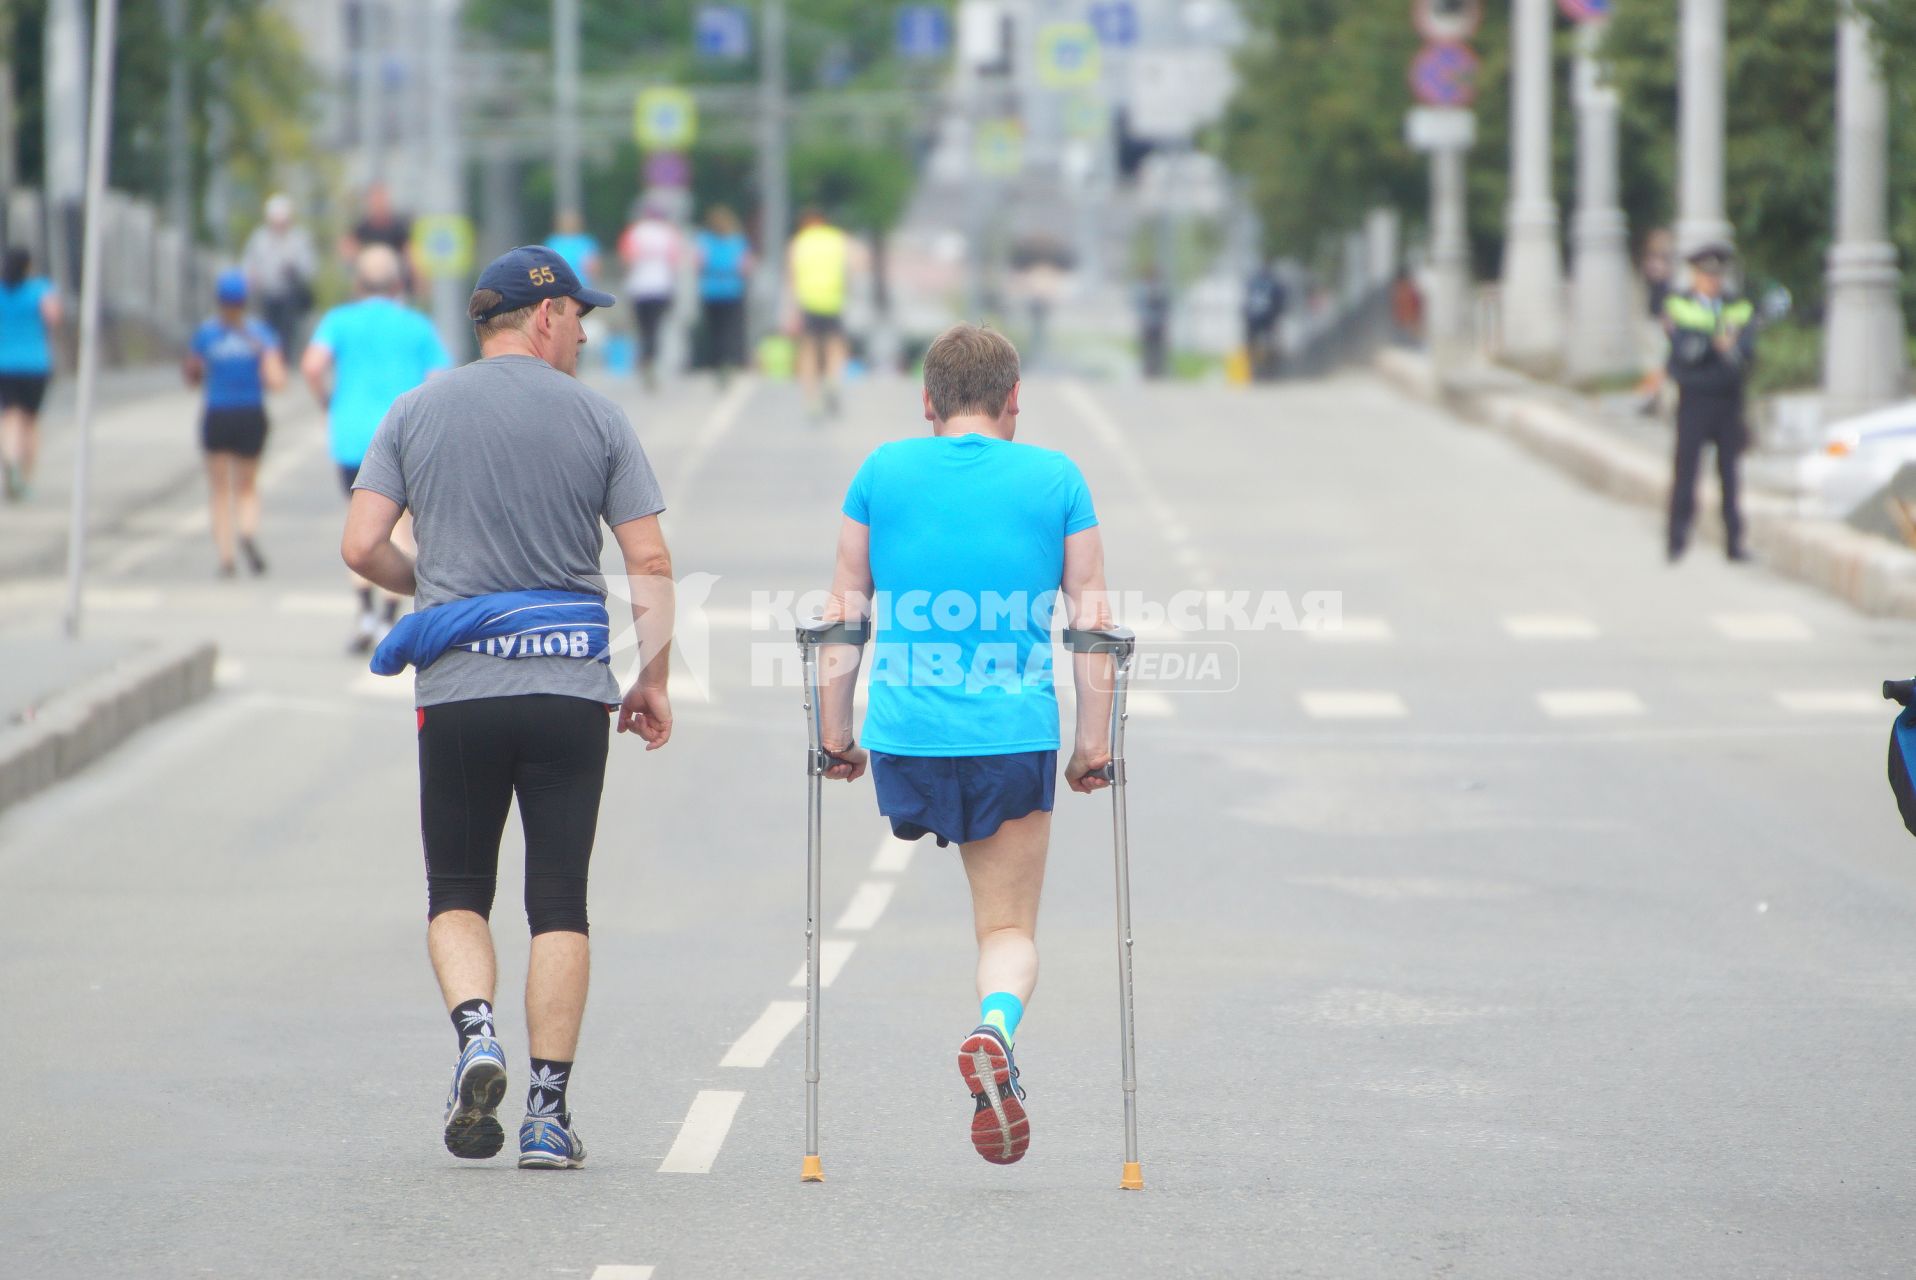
(817, 760)
(1121, 643)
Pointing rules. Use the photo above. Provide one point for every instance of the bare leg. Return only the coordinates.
(219, 489)
(557, 976)
(1006, 871)
(460, 944)
(837, 349)
(809, 358)
(10, 433)
(246, 484)
(29, 445)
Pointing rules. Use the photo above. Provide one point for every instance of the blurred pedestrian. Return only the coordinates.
(725, 263)
(969, 512)
(1264, 301)
(383, 224)
(238, 358)
(29, 313)
(819, 265)
(650, 249)
(513, 471)
(280, 264)
(1712, 350)
(1407, 308)
(362, 357)
(579, 247)
(1154, 325)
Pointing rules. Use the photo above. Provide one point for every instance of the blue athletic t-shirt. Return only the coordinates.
(967, 553)
(381, 350)
(232, 359)
(722, 266)
(23, 330)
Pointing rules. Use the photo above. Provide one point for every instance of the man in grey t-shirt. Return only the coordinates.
(510, 467)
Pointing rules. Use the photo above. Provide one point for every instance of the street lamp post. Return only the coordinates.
(1603, 332)
(1700, 203)
(774, 199)
(1533, 254)
(567, 183)
(1865, 360)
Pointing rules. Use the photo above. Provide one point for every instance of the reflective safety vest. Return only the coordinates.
(819, 257)
(1693, 314)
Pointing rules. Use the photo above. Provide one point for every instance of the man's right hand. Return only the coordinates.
(1081, 771)
(647, 712)
(852, 767)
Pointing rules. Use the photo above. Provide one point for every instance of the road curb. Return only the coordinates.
(1874, 576)
(75, 728)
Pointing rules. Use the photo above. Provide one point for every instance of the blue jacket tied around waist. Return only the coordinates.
(506, 624)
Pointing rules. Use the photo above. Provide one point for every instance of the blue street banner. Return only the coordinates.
(723, 32)
(923, 31)
(1116, 22)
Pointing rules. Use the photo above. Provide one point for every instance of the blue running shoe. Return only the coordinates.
(473, 1132)
(1000, 1128)
(550, 1142)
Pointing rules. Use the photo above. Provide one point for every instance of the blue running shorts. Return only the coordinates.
(962, 798)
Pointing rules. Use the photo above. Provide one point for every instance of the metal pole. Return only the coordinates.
(1604, 327)
(1701, 218)
(179, 154)
(7, 122)
(66, 131)
(774, 176)
(106, 14)
(371, 105)
(442, 146)
(1533, 256)
(814, 903)
(568, 186)
(1448, 320)
(1133, 1178)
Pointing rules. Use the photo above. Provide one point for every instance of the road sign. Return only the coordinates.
(442, 245)
(1067, 55)
(999, 149)
(667, 169)
(1585, 10)
(1440, 128)
(665, 119)
(1116, 22)
(1444, 74)
(1439, 20)
(723, 32)
(922, 31)
(1086, 115)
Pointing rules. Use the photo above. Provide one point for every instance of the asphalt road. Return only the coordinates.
(1548, 917)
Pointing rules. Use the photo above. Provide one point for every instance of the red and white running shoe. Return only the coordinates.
(1000, 1129)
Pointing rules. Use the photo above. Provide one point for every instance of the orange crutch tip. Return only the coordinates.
(813, 1172)
(1133, 1179)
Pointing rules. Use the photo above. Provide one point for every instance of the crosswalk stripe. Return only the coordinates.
(1549, 626)
(1353, 705)
(761, 1040)
(1576, 704)
(1353, 630)
(867, 905)
(1833, 702)
(1761, 626)
(832, 955)
(703, 1132)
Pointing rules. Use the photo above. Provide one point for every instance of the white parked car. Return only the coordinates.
(1862, 454)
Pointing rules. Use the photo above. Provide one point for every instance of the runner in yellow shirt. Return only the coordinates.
(819, 265)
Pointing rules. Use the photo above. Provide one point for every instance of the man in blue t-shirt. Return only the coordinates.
(362, 357)
(960, 547)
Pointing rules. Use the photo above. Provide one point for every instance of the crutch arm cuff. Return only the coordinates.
(855, 631)
(1114, 640)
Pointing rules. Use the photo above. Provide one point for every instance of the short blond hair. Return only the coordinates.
(970, 369)
(377, 269)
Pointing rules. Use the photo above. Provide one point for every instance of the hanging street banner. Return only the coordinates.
(1116, 22)
(665, 119)
(922, 31)
(723, 32)
(1067, 55)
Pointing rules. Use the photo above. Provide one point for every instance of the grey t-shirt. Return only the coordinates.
(508, 467)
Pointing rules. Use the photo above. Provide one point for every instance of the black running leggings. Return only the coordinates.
(474, 757)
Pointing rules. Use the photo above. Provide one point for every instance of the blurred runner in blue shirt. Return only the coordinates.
(725, 263)
(361, 358)
(580, 249)
(29, 312)
(238, 358)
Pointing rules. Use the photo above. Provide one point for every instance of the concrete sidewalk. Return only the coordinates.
(1875, 576)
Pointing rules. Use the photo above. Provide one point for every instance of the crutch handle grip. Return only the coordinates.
(856, 631)
(1899, 690)
(1118, 641)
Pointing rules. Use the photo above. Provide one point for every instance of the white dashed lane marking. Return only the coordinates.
(1353, 630)
(1353, 705)
(1578, 704)
(1549, 626)
(703, 1132)
(832, 955)
(1833, 702)
(894, 855)
(1761, 627)
(867, 905)
(313, 604)
(367, 685)
(612, 1271)
(761, 1040)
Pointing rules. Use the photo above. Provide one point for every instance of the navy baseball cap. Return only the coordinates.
(530, 273)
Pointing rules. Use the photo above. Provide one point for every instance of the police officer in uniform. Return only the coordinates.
(1712, 349)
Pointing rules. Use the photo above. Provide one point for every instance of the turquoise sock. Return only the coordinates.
(1002, 1010)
